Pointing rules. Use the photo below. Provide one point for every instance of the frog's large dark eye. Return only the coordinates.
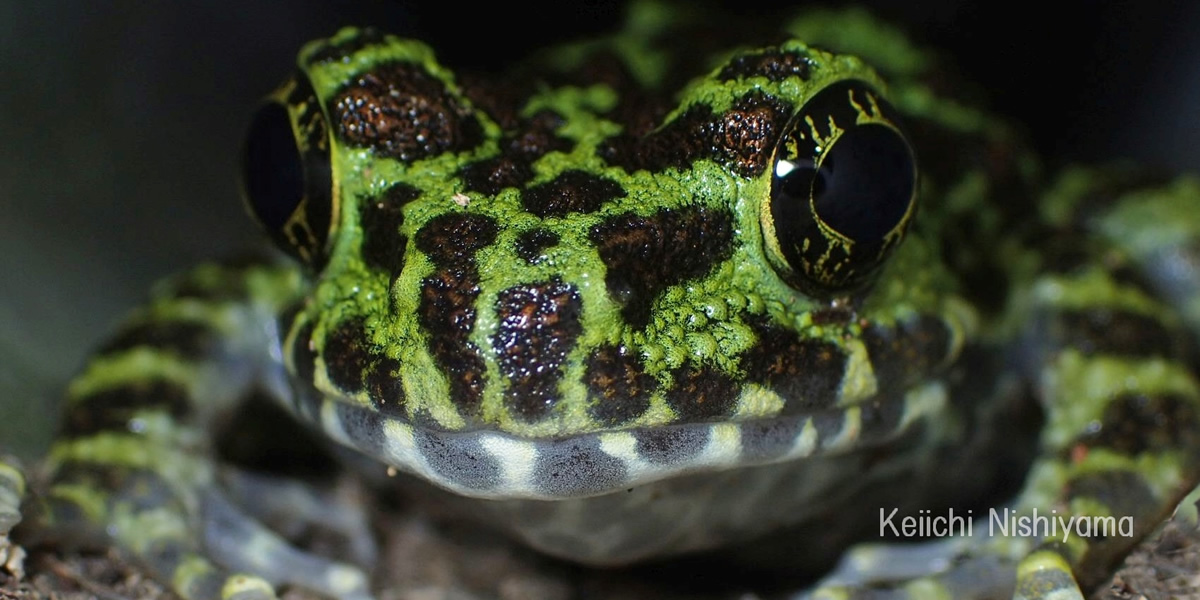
(286, 176)
(842, 192)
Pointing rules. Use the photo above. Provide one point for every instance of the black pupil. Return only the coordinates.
(271, 169)
(863, 187)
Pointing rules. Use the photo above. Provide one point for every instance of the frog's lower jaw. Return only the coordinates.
(775, 516)
(702, 511)
(616, 498)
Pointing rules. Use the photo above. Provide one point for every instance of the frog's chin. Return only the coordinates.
(617, 499)
(500, 466)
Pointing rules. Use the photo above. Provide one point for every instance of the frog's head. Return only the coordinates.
(578, 258)
(842, 177)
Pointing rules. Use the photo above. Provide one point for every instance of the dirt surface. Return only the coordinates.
(1166, 566)
(424, 562)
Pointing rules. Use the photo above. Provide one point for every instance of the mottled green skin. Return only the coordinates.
(505, 287)
(700, 323)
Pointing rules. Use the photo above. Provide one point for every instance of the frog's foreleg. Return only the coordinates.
(292, 507)
(238, 538)
(1111, 359)
(943, 568)
(1107, 340)
(134, 464)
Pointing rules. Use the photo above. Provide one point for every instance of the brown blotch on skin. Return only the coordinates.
(1136, 423)
(187, 339)
(452, 239)
(534, 137)
(401, 111)
(806, 373)
(1106, 331)
(571, 191)
(98, 476)
(447, 313)
(742, 138)
(538, 326)
(383, 245)
(1125, 492)
(385, 389)
(772, 63)
(676, 144)
(110, 409)
(447, 306)
(747, 133)
(530, 140)
(645, 255)
(531, 245)
(354, 364)
(619, 388)
(347, 354)
(490, 175)
(701, 394)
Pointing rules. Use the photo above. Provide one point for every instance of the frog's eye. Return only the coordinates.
(842, 192)
(286, 175)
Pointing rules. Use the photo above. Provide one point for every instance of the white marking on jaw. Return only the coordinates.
(400, 449)
(516, 459)
(805, 443)
(724, 446)
(758, 401)
(859, 382)
(623, 447)
(332, 425)
(850, 432)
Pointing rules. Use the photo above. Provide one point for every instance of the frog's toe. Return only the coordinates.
(244, 587)
(239, 541)
(963, 571)
(868, 563)
(945, 568)
(1046, 575)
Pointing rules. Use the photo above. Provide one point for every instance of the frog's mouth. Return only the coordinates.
(496, 465)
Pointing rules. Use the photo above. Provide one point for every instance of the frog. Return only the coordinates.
(763, 304)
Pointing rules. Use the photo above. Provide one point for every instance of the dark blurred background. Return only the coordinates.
(121, 126)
